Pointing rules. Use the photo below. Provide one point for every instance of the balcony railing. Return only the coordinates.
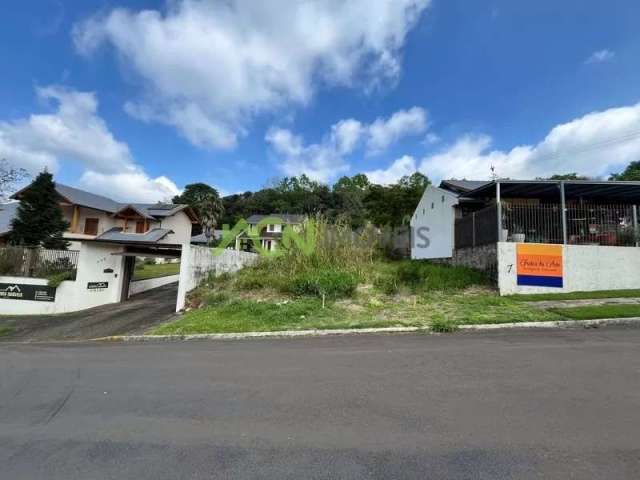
(587, 224)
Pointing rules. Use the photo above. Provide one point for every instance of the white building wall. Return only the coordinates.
(585, 268)
(181, 226)
(432, 225)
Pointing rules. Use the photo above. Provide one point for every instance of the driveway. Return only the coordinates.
(517, 405)
(134, 316)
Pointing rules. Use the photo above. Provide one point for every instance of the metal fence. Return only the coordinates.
(477, 228)
(37, 262)
(586, 224)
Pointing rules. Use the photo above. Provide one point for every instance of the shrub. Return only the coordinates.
(387, 284)
(216, 298)
(149, 261)
(331, 283)
(431, 276)
(56, 279)
(443, 325)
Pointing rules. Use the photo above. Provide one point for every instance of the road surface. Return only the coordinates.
(534, 404)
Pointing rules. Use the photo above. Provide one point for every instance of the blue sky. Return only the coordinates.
(138, 98)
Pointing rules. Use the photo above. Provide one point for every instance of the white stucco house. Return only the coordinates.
(95, 217)
(433, 222)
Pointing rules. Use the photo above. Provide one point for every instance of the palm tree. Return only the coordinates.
(211, 209)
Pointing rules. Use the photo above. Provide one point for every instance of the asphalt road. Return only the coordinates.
(534, 404)
(136, 315)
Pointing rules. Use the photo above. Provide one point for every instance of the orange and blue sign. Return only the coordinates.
(539, 265)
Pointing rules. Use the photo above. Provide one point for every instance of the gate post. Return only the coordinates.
(185, 271)
(636, 231)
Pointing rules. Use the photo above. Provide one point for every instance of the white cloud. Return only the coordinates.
(75, 132)
(209, 67)
(321, 161)
(405, 165)
(326, 160)
(600, 56)
(593, 145)
(130, 187)
(383, 133)
(72, 131)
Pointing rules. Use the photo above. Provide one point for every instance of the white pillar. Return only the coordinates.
(499, 206)
(185, 273)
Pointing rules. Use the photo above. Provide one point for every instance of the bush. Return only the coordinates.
(431, 276)
(332, 284)
(387, 284)
(443, 325)
(56, 279)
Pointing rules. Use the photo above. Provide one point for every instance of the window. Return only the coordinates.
(442, 198)
(91, 226)
(141, 226)
(271, 228)
(433, 205)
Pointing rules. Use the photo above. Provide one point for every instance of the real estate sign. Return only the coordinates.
(539, 265)
(20, 291)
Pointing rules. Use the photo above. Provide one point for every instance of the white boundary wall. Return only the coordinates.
(95, 264)
(586, 268)
(198, 262)
(139, 286)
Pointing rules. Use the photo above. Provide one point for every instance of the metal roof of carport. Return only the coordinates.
(609, 191)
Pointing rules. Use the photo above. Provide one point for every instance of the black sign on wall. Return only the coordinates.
(20, 291)
(97, 285)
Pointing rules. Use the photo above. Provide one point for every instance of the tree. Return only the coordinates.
(39, 219)
(205, 201)
(211, 210)
(9, 176)
(565, 176)
(632, 172)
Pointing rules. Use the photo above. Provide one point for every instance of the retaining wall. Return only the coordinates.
(140, 286)
(199, 262)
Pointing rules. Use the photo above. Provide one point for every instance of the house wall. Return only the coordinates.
(181, 225)
(432, 225)
(75, 295)
(585, 268)
(105, 220)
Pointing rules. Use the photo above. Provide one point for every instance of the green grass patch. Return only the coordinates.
(145, 271)
(5, 330)
(599, 311)
(538, 297)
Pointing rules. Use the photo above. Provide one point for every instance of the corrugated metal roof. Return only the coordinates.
(462, 186)
(117, 235)
(7, 214)
(287, 218)
(202, 238)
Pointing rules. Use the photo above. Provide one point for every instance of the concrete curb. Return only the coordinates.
(359, 331)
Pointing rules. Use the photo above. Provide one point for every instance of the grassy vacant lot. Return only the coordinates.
(599, 311)
(144, 271)
(346, 284)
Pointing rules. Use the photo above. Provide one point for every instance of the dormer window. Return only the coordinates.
(141, 226)
(91, 226)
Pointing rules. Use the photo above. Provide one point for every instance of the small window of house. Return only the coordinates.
(140, 226)
(271, 228)
(423, 211)
(442, 198)
(91, 226)
(433, 205)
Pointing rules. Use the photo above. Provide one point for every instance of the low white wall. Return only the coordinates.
(198, 262)
(585, 268)
(140, 286)
(96, 266)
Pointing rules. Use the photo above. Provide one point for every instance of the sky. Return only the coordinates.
(135, 99)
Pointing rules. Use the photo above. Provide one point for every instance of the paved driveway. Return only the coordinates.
(526, 405)
(134, 316)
